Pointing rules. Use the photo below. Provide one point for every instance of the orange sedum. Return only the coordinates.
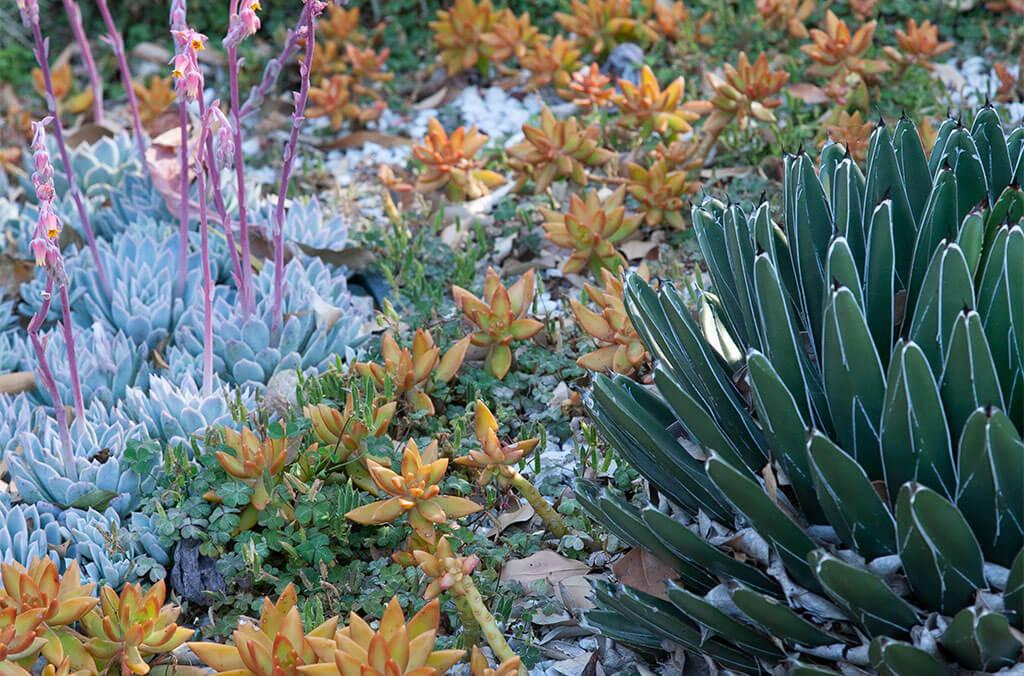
(647, 107)
(592, 228)
(448, 163)
(621, 349)
(558, 149)
(746, 92)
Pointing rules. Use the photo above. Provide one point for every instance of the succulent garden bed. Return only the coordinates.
(561, 338)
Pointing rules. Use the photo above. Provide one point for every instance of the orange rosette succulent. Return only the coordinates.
(647, 107)
(592, 229)
(746, 92)
(415, 492)
(621, 349)
(448, 163)
(500, 318)
(410, 372)
(835, 49)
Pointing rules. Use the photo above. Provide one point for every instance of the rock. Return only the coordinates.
(624, 62)
(194, 576)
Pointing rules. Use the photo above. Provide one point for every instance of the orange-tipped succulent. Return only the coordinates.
(589, 88)
(746, 92)
(863, 9)
(592, 228)
(835, 49)
(458, 34)
(684, 154)
(550, 61)
(918, 45)
(415, 492)
(409, 372)
(647, 107)
(368, 64)
(852, 132)
(340, 25)
(336, 98)
(660, 191)
(60, 78)
(154, 99)
(444, 568)
(396, 648)
(253, 461)
(448, 163)
(346, 433)
(494, 460)
(479, 667)
(510, 36)
(621, 349)
(788, 15)
(63, 598)
(130, 631)
(20, 639)
(500, 318)
(559, 149)
(278, 646)
(602, 24)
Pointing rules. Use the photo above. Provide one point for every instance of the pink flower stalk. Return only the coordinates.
(273, 68)
(201, 148)
(95, 81)
(41, 48)
(113, 38)
(220, 148)
(188, 80)
(238, 29)
(47, 252)
(315, 8)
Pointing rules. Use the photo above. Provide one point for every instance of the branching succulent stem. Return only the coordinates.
(488, 625)
(273, 68)
(289, 160)
(551, 518)
(70, 469)
(69, 344)
(42, 54)
(117, 44)
(95, 81)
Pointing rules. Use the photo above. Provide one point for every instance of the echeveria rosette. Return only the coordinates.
(500, 318)
(175, 411)
(8, 318)
(321, 321)
(108, 364)
(12, 351)
(28, 532)
(309, 228)
(103, 474)
(416, 492)
(18, 414)
(115, 550)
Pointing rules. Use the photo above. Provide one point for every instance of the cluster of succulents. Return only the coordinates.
(868, 349)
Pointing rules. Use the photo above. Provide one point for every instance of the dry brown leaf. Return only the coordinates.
(544, 565)
(357, 139)
(522, 513)
(642, 570)
(808, 93)
(19, 381)
(432, 101)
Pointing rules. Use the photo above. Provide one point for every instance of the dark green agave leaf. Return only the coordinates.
(980, 639)
(940, 555)
(779, 621)
(722, 626)
(969, 377)
(987, 132)
(884, 181)
(1013, 598)
(896, 658)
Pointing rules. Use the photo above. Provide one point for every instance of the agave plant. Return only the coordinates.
(114, 551)
(869, 352)
(28, 532)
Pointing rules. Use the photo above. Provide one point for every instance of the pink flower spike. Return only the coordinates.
(29, 12)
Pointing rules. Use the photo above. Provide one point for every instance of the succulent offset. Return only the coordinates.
(869, 350)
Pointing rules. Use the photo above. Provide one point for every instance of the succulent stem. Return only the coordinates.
(289, 160)
(245, 287)
(218, 199)
(488, 625)
(179, 282)
(204, 246)
(70, 469)
(95, 81)
(69, 345)
(42, 54)
(551, 518)
(470, 627)
(117, 44)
